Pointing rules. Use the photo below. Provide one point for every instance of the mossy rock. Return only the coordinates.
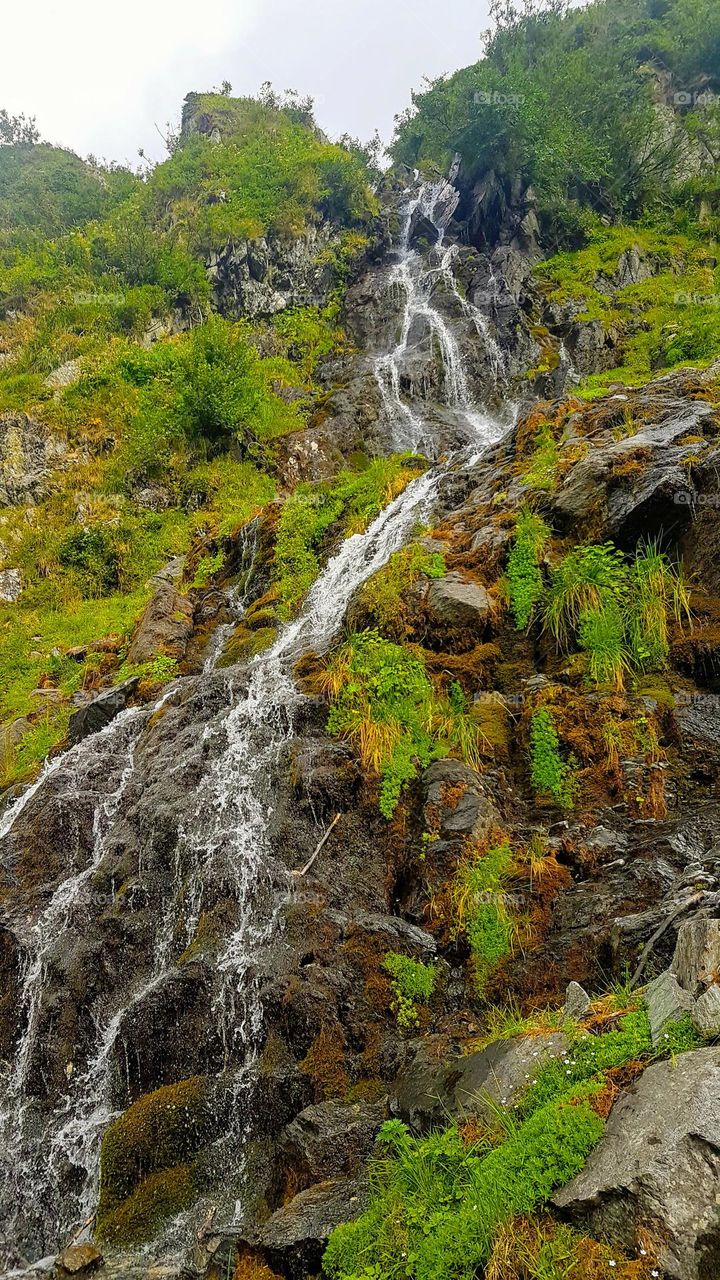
(160, 1196)
(245, 644)
(149, 1158)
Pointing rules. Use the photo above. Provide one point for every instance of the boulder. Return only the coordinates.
(706, 1014)
(503, 1071)
(331, 1139)
(79, 1260)
(10, 585)
(101, 711)
(27, 453)
(165, 627)
(294, 1238)
(439, 1084)
(577, 1002)
(456, 800)
(657, 1168)
(459, 602)
(696, 962)
(666, 1002)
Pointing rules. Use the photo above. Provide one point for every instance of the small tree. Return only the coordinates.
(17, 129)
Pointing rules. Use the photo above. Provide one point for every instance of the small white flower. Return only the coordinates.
(654, 1274)
(612, 1263)
(643, 1253)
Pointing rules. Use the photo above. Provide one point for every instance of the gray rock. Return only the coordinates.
(666, 1002)
(706, 1014)
(165, 627)
(331, 1139)
(657, 1167)
(504, 1070)
(456, 798)
(27, 453)
(10, 585)
(697, 954)
(461, 603)
(101, 711)
(577, 1002)
(295, 1237)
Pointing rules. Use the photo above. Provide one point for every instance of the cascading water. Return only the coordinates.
(221, 842)
(415, 277)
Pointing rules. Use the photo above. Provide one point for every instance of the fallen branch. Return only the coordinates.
(647, 949)
(306, 868)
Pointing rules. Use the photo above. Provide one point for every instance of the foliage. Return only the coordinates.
(551, 776)
(50, 189)
(385, 594)
(562, 100)
(619, 612)
(345, 505)
(524, 575)
(481, 911)
(271, 173)
(383, 702)
(437, 1203)
(17, 129)
(412, 982)
(540, 473)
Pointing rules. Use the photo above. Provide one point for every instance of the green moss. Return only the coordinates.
(384, 595)
(480, 891)
(149, 1156)
(344, 505)
(540, 473)
(245, 645)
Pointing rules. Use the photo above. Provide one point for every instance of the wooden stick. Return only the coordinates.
(306, 868)
(647, 949)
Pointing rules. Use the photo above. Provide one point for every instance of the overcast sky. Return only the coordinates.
(100, 75)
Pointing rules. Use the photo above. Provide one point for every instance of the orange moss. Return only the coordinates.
(250, 1266)
(520, 1243)
(324, 1063)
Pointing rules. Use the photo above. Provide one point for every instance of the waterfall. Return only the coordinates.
(221, 839)
(414, 278)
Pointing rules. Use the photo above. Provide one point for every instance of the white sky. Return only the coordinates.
(100, 74)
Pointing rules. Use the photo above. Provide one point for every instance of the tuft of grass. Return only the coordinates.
(481, 912)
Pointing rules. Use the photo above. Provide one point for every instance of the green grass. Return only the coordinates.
(315, 513)
(479, 895)
(383, 701)
(437, 1202)
(540, 473)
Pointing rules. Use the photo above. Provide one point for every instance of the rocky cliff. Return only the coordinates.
(364, 919)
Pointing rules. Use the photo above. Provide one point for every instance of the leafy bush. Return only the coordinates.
(385, 594)
(524, 575)
(96, 553)
(551, 775)
(413, 981)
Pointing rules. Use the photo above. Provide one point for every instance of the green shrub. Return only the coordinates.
(551, 775)
(524, 575)
(413, 982)
(542, 466)
(96, 553)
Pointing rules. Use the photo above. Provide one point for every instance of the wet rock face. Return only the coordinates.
(257, 278)
(27, 455)
(657, 1167)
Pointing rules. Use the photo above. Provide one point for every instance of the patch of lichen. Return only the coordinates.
(149, 1155)
(245, 644)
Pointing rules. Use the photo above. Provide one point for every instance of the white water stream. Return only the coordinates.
(224, 840)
